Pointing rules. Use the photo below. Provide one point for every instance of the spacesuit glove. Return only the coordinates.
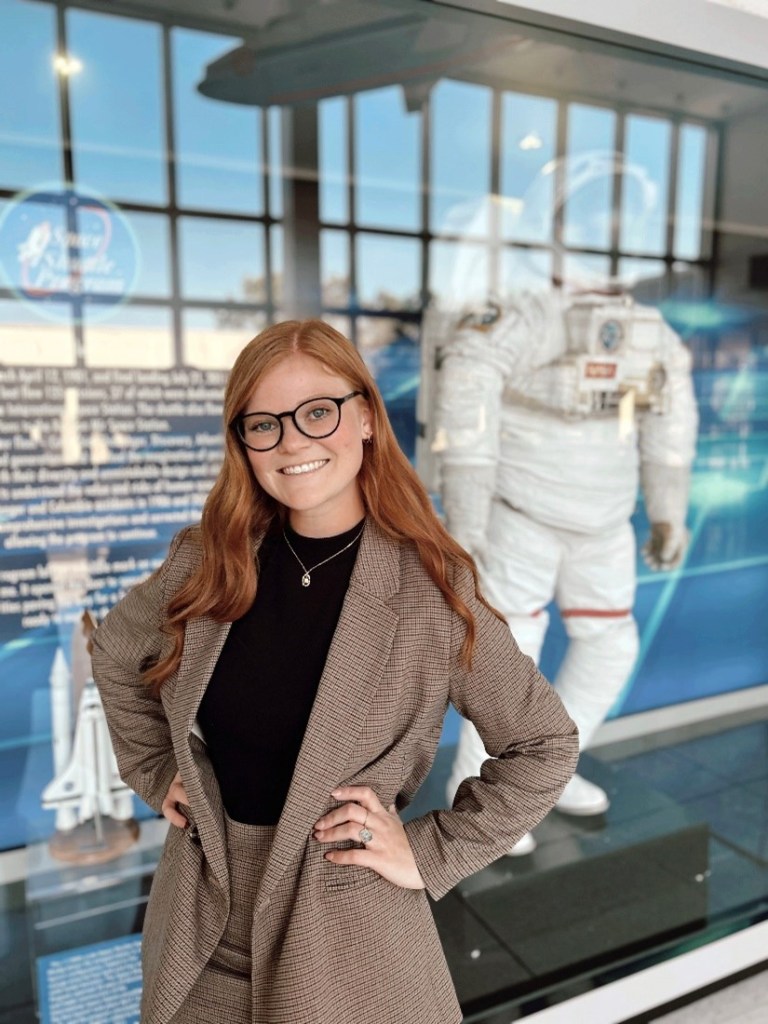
(666, 546)
(467, 492)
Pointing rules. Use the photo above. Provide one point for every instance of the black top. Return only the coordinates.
(256, 706)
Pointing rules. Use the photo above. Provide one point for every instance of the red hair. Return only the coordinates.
(237, 510)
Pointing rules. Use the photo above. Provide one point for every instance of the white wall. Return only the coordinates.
(722, 29)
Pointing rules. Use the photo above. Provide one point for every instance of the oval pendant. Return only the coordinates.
(305, 580)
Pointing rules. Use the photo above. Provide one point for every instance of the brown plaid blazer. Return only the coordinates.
(334, 943)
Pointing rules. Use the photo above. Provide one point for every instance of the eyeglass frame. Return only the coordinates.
(238, 421)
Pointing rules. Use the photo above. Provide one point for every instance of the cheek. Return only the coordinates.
(258, 468)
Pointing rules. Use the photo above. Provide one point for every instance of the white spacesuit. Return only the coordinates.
(548, 413)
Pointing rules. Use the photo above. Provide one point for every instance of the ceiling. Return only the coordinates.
(296, 51)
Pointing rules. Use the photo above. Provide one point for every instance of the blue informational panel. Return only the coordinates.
(99, 984)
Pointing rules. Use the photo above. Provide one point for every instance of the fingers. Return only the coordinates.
(349, 830)
(176, 795)
(361, 857)
(362, 795)
(173, 815)
(347, 812)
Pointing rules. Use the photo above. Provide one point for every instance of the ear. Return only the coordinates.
(366, 421)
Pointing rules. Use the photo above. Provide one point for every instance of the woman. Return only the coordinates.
(280, 726)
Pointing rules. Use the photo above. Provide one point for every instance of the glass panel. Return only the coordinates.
(334, 267)
(213, 338)
(458, 273)
(587, 177)
(275, 140)
(121, 156)
(460, 154)
(528, 139)
(333, 129)
(29, 125)
(583, 271)
(343, 324)
(28, 340)
(218, 147)
(387, 161)
(138, 336)
(34, 257)
(646, 279)
(220, 259)
(388, 272)
(645, 185)
(391, 351)
(525, 268)
(151, 234)
(276, 235)
(691, 168)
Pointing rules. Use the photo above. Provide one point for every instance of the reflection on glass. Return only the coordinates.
(275, 141)
(29, 125)
(391, 351)
(645, 185)
(387, 161)
(691, 166)
(632, 271)
(523, 268)
(528, 130)
(588, 185)
(342, 324)
(334, 172)
(334, 267)
(213, 338)
(120, 156)
(221, 259)
(34, 254)
(277, 254)
(151, 231)
(458, 273)
(217, 144)
(460, 159)
(139, 336)
(582, 271)
(28, 340)
(689, 282)
(388, 272)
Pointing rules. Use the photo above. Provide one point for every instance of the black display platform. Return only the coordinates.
(594, 891)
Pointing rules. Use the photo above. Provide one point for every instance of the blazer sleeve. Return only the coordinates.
(129, 637)
(533, 748)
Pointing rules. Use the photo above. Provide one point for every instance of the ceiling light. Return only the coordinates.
(531, 141)
(66, 65)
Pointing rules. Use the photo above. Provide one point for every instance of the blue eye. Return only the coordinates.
(260, 426)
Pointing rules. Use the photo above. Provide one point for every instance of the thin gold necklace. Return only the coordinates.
(306, 579)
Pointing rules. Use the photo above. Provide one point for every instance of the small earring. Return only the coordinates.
(368, 439)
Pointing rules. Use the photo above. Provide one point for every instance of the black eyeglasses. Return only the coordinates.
(319, 417)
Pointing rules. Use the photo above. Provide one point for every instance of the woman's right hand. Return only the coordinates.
(176, 795)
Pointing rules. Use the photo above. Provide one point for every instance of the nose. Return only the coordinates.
(292, 439)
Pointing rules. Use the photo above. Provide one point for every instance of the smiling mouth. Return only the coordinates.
(304, 467)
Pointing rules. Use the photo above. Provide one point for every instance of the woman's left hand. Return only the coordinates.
(388, 853)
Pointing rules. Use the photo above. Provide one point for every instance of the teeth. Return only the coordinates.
(305, 467)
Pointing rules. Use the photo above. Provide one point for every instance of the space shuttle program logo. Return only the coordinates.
(66, 252)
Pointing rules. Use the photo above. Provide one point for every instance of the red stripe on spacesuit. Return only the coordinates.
(596, 613)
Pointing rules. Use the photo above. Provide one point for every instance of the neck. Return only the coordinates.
(308, 524)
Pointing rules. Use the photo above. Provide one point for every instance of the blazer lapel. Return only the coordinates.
(356, 660)
(203, 641)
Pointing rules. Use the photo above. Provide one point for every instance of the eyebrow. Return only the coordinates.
(312, 398)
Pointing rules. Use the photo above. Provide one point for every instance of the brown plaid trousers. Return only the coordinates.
(334, 943)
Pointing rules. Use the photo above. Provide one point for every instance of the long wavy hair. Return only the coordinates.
(238, 510)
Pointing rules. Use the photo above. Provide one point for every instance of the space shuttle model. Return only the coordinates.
(94, 807)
